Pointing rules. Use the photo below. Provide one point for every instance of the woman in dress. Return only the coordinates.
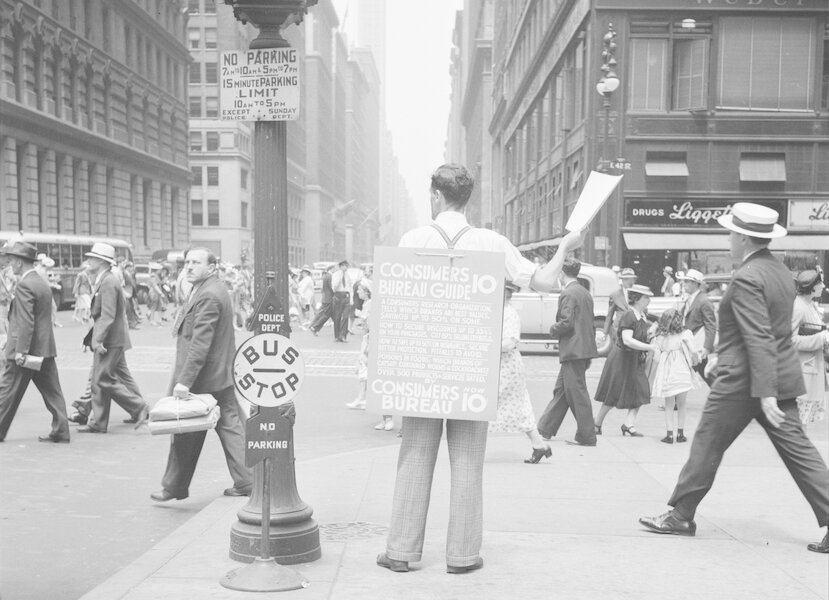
(83, 295)
(515, 412)
(624, 382)
(811, 340)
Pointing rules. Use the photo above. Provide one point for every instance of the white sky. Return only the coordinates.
(419, 41)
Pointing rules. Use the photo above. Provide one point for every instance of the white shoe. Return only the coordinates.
(386, 425)
(357, 404)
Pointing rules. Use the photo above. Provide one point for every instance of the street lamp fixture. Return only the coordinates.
(608, 84)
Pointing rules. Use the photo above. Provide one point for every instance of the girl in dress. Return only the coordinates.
(624, 383)
(515, 412)
(674, 374)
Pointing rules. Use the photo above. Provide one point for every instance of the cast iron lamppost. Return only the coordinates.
(608, 84)
(294, 535)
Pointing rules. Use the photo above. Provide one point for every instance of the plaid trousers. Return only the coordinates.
(412, 490)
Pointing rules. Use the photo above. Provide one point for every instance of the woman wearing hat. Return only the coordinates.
(811, 340)
(624, 383)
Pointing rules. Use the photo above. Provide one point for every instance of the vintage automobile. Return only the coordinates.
(538, 310)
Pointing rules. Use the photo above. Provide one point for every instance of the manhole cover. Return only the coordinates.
(356, 530)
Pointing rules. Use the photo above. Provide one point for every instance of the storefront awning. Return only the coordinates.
(533, 245)
(717, 241)
(763, 168)
(666, 168)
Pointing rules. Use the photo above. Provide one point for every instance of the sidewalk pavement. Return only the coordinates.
(565, 528)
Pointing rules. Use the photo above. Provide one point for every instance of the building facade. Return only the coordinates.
(94, 128)
(719, 101)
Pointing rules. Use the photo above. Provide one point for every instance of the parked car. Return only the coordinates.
(142, 279)
(538, 310)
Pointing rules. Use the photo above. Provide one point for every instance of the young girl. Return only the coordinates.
(674, 375)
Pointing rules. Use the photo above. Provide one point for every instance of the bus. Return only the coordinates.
(68, 252)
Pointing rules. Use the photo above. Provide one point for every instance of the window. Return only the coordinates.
(211, 72)
(765, 63)
(212, 213)
(194, 35)
(213, 176)
(210, 7)
(211, 107)
(210, 38)
(195, 108)
(243, 179)
(212, 141)
(195, 141)
(196, 212)
(825, 87)
(195, 72)
(669, 72)
(197, 175)
(193, 7)
(244, 214)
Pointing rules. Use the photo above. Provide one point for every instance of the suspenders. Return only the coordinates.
(450, 243)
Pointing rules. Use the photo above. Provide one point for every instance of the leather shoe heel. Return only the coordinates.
(821, 547)
(538, 454)
(452, 570)
(164, 496)
(398, 566)
(668, 523)
(234, 491)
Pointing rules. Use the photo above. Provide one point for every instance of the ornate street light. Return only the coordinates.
(608, 84)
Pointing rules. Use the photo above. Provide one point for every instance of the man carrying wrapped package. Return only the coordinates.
(204, 365)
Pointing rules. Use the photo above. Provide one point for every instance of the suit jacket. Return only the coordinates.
(30, 319)
(756, 357)
(109, 313)
(701, 314)
(574, 324)
(617, 305)
(327, 290)
(206, 344)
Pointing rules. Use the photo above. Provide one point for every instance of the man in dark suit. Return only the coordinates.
(698, 313)
(577, 346)
(326, 301)
(205, 349)
(111, 378)
(758, 378)
(341, 285)
(30, 335)
(617, 303)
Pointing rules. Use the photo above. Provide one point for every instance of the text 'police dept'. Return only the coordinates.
(430, 281)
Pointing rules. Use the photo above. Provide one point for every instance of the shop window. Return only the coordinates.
(212, 213)
(196, 212)
(213, 176)
(764, 64)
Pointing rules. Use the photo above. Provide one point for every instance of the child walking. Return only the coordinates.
(674, 374)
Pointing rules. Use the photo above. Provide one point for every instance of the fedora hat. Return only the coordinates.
(102, 251)
(21, 249)
(807, 280)
(640, 289)
(692, 275)
(627, 272)
(754, 220)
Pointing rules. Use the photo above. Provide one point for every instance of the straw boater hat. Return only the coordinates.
(754, 220)
(21, 249)
(692, 275)
(640, 289)
(102, 251)
(627, 272)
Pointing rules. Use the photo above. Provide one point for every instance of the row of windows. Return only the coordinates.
(213, 141)
(194, 35)
(205, 7)
(207, 72)
(211, 107)
(761, 63)
(213, 220)
(213, 176)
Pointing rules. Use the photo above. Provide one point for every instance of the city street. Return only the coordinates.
(72, 516)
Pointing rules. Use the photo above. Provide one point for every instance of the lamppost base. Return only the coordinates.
(289, 544)
(263, 575)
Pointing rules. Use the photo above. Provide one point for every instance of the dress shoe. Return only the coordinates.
(398, 566)
(668, 523)
(142, 417)
(357, 404)
(89, 429)
(164, 496)
(130, 421)
(598, 429)
(822, 546)
(631, 431)
(681, 438)
(53, 439)
(234, 491)
(452, 570)
(669, 439)
(537, 455)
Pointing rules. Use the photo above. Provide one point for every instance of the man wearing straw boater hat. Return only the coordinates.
(758, 377)
(111, 378)
(30, 349)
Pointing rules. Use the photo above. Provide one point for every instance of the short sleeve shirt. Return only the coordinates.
(519, 269)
